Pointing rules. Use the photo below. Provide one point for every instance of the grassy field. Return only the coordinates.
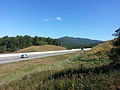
(17, 70)
(41, 48)
(91, 70)
(69, 74)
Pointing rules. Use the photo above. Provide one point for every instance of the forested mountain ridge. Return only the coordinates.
(10, 44)
(71, 42)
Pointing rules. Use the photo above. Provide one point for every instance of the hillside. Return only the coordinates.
(72, 40)
(101, 50)
(41, 48)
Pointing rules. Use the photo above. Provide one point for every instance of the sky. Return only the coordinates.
(93, 19)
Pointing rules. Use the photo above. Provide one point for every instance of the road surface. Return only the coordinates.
(8, 58)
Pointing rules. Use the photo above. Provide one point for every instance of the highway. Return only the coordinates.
(8, 58)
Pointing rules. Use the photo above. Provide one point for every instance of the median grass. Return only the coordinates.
(41, 48)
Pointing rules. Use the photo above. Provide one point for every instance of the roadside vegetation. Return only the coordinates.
(97, 69)
(76, 74)
(16, 70)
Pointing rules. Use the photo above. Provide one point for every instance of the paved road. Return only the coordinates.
(7, 58)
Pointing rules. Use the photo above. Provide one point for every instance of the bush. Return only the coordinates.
(114, 54)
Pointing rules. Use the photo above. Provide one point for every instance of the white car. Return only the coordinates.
(25, 56)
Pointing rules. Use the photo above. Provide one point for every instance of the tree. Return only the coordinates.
(28, 40)
(2, 49)
(10, 44)
(117, 33)
(114, 53)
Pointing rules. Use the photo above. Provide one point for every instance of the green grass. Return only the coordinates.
(77, 76)
(70, 72)
(16, 70)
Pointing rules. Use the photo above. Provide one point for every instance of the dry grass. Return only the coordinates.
(17, 70)
(41, 48)
(88, 75)
(101, 50)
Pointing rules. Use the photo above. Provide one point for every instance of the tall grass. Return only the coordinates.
(92, 76)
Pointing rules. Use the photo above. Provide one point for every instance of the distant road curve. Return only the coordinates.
(8, 58)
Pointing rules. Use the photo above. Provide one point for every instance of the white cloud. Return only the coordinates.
(52, 19)
(59, 18)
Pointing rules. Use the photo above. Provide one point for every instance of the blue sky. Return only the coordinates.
(94, 19)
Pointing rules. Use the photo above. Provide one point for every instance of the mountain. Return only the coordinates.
(72, 40)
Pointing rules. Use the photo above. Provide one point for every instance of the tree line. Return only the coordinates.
(76, 46)
(10, 44)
